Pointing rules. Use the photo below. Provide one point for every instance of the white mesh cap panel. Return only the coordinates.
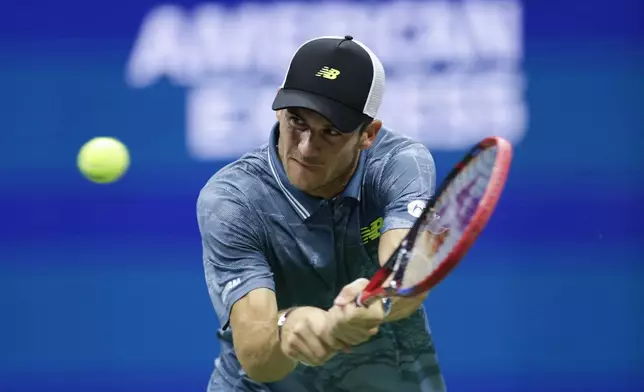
(374, 99)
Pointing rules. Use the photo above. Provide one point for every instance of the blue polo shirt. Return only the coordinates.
(260, 231)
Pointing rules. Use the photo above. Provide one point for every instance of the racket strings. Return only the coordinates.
(423, 260)
(455, 208)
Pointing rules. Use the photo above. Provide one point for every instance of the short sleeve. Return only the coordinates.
(408, 176)
(233, 253)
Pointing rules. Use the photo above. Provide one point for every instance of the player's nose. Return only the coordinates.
(308, 146)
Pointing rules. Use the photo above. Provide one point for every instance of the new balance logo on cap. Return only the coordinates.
(329, 73)
(358, 81)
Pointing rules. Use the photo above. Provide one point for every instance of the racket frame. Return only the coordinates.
(397, 261)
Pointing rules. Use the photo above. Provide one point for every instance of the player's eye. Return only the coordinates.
(332, 132)
(296, 121)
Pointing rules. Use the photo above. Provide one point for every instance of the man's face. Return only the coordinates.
(318, 158)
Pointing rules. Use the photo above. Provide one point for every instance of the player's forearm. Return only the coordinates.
(402, 308)
(262, 358)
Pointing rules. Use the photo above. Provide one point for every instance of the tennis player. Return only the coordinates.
(292, 230)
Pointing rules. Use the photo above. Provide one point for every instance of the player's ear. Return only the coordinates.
(368, 136)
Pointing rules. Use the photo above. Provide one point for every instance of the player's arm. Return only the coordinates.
(240, 282)
(241, 286)
(408, 175)
(264, 355)
(253, 320)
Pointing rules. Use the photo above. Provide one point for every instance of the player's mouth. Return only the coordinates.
(307, 166)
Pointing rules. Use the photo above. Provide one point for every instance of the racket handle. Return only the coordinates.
(358, 300)
(386, 302)
(361, 302)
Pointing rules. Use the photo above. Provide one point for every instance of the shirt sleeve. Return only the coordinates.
(233, 252)
(408, 179)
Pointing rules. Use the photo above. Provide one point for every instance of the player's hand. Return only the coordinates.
(352, 324)
(306, 338)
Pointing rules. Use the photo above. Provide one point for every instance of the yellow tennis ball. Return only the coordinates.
(103, 160)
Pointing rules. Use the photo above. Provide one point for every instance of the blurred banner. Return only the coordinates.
(102, 287)
(454, 70)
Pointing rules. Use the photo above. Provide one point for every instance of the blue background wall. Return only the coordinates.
(101, 287)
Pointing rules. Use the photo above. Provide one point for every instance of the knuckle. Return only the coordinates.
(327, 355)
(299, 329)
(290, 343)
(336, 344)
(291, 352)
(329, 341)
(316, 360)
(321, 360)
(365, 336)
(351, 341)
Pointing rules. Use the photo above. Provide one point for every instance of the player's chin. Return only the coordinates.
(304, 180)
(305, 185)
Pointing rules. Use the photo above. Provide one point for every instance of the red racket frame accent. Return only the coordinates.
(479, 220)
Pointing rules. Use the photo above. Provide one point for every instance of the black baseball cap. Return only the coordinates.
(338, 77)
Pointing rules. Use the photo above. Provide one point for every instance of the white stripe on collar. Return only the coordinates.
(299, 208)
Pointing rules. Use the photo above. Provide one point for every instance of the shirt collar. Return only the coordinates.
(304, 204)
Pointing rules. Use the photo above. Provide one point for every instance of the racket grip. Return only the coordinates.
(386, 303)
(358, 300)
(361, 302)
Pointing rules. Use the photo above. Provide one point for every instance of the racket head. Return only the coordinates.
(448, 226)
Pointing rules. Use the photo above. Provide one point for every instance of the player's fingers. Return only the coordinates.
(313, 348)
(297, 349)
(295, 346)
(333, 343)
(367, 318)
(354, 335)
(350, 292)
(345, 324)
(376, 313)
(337, 325)
(292, 347)
(351, 339)
(315, 352)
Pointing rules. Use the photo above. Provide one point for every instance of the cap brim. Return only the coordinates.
(344, 118)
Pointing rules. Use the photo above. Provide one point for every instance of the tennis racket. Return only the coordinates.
(448, 225)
